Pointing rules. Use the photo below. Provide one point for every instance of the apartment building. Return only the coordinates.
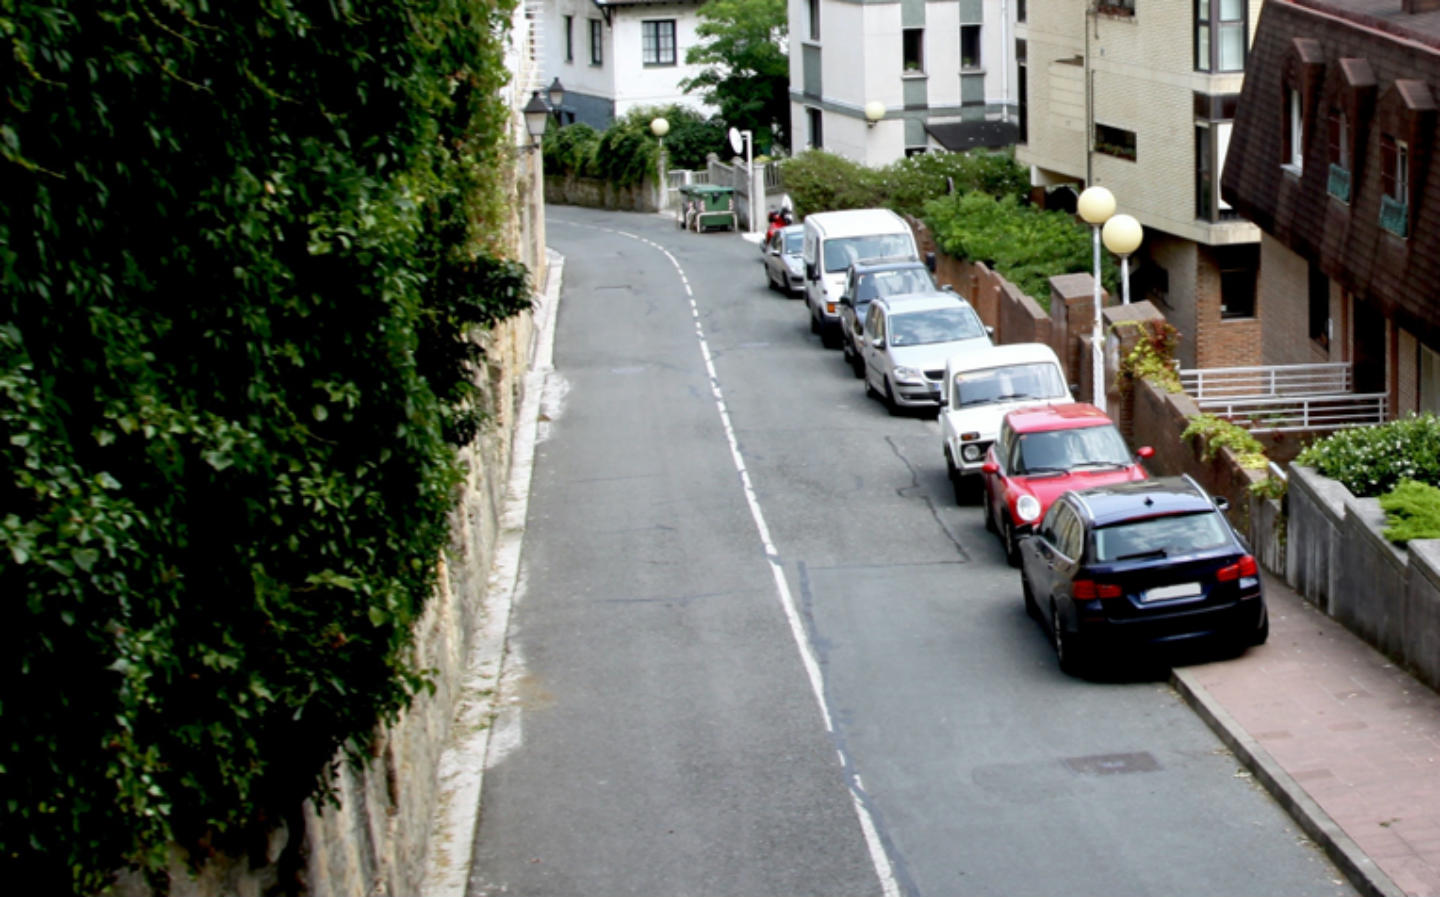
(1336, 127)
(1140, 97)
(614, 55)
(876, 81)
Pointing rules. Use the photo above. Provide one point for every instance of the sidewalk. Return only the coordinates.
(1345, 740)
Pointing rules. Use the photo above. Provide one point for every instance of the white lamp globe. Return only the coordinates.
(1122, 234)
(659, 127)
(1096, 205)
(874, 111)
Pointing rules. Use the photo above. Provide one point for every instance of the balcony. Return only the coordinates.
(1338, 184)
(1285, 398)
(1395, 216)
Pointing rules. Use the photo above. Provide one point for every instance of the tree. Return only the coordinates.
(747, 72)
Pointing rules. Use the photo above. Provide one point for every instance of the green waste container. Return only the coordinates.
(703, 206)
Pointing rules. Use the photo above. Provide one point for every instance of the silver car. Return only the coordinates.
(907, 341)
(784, 268)
(867, 280)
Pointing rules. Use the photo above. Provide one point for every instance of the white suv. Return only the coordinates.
(980, 386)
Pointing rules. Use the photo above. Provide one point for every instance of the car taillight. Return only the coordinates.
(1246, 566)
(1089, 590)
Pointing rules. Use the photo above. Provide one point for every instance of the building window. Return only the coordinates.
(1116, 142)
(1428, 387)
(569, 38)
(1337, 146)
(1020, 10)
(814, 19)
(1394, 185)
(1023, 88)
(1319, 306)
(1294, 131)
(914, 49)
(815, 121)
(969, 46)
(1220, 35)
(1213, 113)
(1116, 7)
(1239, 265)
(657, 42)
(597, 43)
(1204, 173)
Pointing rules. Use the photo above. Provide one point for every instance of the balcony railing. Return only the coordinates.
(1285, 398)
(1395, 215)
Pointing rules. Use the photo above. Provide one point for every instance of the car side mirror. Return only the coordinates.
(845, 301)
(1074, 388)
(878, 343)
(990, 467)
(989, 331)
(1144, 452)
(930, 261)
(947, 288)
(810, 270)
(1222, 502)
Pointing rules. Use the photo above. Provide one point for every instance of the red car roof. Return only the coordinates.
(1040, 418)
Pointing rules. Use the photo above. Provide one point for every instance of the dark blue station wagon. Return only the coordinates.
(1115, 569)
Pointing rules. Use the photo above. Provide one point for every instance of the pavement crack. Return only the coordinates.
(915, 490)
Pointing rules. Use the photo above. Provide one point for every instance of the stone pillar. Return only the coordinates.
(1072, 311)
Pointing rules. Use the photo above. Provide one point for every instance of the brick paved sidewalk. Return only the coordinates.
(1348, 742)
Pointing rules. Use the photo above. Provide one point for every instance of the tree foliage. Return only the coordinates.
(818, 181)
(242, 248)
(747, 72)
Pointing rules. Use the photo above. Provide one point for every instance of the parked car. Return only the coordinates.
(867, 280)
(784, 268)
(1145, 565)
(833, 241)
(979, 388)
(1044, 451)
(906, 342)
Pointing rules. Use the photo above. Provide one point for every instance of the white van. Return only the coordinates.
(833, 240)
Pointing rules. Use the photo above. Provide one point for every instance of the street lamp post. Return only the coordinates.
(1122, 235)
(660, 127)
(1096, 205)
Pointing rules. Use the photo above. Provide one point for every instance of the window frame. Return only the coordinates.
(1294, 130)
(1210, 22)
(657, 44)
(597, 42)
(912, 50)
(569, 39)
(815, 127)
(814, 20)
(1250, 267)
(976, 37)
(1123, 147)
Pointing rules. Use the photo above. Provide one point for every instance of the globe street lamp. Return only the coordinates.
(874, 111)
(660, 127)
(1096, 205)
(1122, 235)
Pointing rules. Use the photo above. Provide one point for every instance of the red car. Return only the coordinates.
(1045, 451)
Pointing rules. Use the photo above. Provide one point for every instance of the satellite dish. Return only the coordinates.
(735, 143)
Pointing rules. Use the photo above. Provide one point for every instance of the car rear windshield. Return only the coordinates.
(898, 282)
(1008, 383)
(794, 243)
(1169, 536)
(1073, 449)
(938, 325)
(842, 252)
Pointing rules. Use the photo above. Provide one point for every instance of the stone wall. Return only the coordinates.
(599, 194)
(375, 840)
(1339, 560)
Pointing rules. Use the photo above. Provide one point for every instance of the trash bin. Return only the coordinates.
(703, 206)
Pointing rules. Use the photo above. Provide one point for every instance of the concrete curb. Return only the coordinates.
(1361, 871)
(455, 818)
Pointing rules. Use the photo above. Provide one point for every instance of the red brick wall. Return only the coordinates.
(1221, 343)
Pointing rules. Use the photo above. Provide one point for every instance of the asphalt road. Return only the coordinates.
(758, 649)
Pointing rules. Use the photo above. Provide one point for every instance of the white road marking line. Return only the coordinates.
(878, 856)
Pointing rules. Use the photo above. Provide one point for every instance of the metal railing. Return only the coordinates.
(1300, 413)
(1268, 380)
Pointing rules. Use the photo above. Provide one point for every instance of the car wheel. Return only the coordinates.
(989, 514)
(857, 363)
(1066, 650)
(1007, 536)
(1031, 608)
(770, 278)
(890, 405)
(1261, 634)
(829, 338)
(870, 391)
(845, 351)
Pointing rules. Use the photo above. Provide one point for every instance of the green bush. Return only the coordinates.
(571, 150)
(1371, 461)
(244, 248)
(818, 181)
(1024, 244)
(1413, 511)
(1220, 433)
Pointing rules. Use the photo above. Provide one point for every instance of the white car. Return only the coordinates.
(907, 340)
(980, 386)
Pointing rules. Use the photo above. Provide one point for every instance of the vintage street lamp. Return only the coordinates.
(874, 111)
(1096, 205)
(536, 115)
(1122, 235)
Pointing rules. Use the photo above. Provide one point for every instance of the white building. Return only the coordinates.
(1139, 98)
(614, 55)
(941, 73)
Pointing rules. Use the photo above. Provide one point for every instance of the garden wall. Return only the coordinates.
(595, 193)
(1340, 561)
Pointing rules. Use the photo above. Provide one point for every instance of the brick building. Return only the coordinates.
(1330, 157)
(1139, 98)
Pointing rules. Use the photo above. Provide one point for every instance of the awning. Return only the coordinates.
(959, 136)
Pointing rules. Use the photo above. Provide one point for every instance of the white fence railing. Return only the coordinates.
(1269, 380)
(1294, 414)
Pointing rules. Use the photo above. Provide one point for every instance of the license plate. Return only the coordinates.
(1179, 590)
